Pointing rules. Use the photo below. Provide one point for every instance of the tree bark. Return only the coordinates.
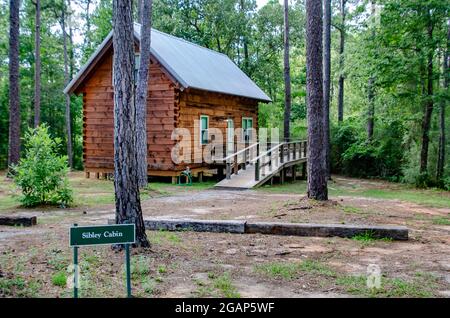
(139, 4)
(443, 104)
(317, 169)
(287, 74)
(14, 98)
(128, 204)
(371, 109)
(371, 88)
(87, 36)
(71, 50)
(142, 91)
(37, 64)
(341, 63)
(428, 111)
(245, 41)
(66, 81)
(327, 80)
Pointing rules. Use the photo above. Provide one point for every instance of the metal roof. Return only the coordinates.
(191, 65)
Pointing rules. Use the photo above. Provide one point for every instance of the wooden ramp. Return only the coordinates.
(252, 167)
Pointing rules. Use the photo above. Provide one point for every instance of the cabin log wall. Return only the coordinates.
(168, 108)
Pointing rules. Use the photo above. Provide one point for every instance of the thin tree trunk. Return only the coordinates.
(128, 203)
(37, 64)
(14, 98)
(245, 40)
(443, 104)
(66, 81)
(371, 109)
(87, 36)
(428, 109)
(327, 80)
(142, 91)
(71, 51)
(139, 11)
(341, 63)
(317, 169)
(371, 87)
(287, 74)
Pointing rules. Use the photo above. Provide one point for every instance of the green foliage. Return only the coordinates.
(42, 174)
(354, 155)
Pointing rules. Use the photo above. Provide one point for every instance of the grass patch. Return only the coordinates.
(441, 221)
(368, 238)
(392, 191)
(225, 286)
(216, 286)
(17, 286)
(352, 210)
(140, 267)
(164, 237)
(291, 270)
(59, 279)
(420, 287)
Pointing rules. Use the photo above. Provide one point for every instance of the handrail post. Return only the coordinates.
(282, 153)
(245, 155)
(288, 152)
(228, 169)
(270, 160)
(306, 149)
(257, 170)
(295, 150)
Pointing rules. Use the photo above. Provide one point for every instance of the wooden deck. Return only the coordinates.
(248, 172)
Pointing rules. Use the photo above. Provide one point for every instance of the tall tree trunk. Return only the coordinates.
(371, 87)
(287, 74)
(341, 63)
(245, 40)
(428, 107)
(317, 169)
(14, 98)
(142, 91)
(443, 104)
(371, 108)
(128, 203)
(87, 36)
(37, 64)
(71, 50)
(327, 80)
(66, 81)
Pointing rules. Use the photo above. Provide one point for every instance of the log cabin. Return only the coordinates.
(190, 87)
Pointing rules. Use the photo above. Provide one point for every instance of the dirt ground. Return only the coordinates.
(35, 262)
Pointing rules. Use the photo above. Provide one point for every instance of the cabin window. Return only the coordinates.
(137, 63)
(247, 125)
(204, 125)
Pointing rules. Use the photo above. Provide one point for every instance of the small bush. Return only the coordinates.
(42, 173)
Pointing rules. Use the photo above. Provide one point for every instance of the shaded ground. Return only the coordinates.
(34, 261)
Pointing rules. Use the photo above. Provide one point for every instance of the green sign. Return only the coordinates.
(102, 235)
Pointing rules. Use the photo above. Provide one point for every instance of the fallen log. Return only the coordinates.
(327, 230)
(18, 220)
(277, 228)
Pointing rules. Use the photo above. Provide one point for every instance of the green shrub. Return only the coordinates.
(42, 173)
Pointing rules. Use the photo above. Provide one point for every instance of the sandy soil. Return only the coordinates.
(189, 264)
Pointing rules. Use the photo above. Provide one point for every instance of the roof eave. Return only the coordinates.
(76, 81)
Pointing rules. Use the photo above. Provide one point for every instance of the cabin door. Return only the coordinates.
(230, 136)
